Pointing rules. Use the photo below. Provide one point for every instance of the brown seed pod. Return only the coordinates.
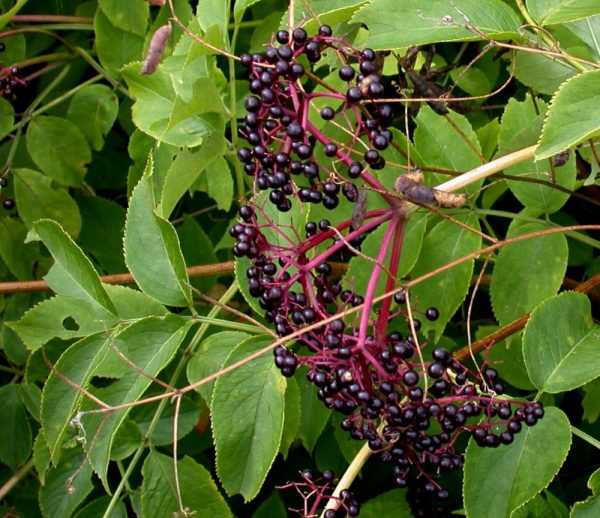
(156, 49)
(449, 200)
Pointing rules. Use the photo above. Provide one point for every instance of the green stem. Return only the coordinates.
(194, 342)
(229, 324)
(103, 72)
(50, 18)
(587, 438)
(44, 58)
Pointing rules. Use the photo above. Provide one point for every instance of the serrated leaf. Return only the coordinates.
(94, 109)
(60, 400)
(82, 281)
(544, 74)
(7, 117)
(214, 13)
(588, 31)
(413, 22)
(247, 419)
(67, 485)
(390, 503)
(291, 423)
(37, 199)
(97, 508)
(220, 183)
(521, 469)
(211, 356)
(561, 343)
(161, 112)
(527, 272)
(332, 12)
(150, 344)
(152, 251)
(550, 12)
(197, 249)
(540, 507)
(56, 499)
(589, 508)
(185, 170)
(41, 456)
(18, 256)
(442, 145)
(15, 432)
(115, 46)
(133, 19)
(314, 415)
(199, 493)
(521, 126)
(59, 149)
(574, 115)
(591, 401)
(445, 243)
(359, 270)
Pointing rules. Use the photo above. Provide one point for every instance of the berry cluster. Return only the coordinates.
(8, 78)
(410, 405)
(316, 491)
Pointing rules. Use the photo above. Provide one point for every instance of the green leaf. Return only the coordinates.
(521, 126)
(516, 289)
(161, 112)
(162, 434)
(590, 507)
(211, 356)
(220, 183)
(241, 267)
(199, 494)
(59, 149)
(83, 281)
(152, 251)
(588, 31)
(591, 401)
(36, 199)
(574, 115)
(96, 509)
(197, 249)
(5, 17)
(332, 12)
(540, 507)
(115, 46)
(15, 432)
(413, 22)
(59, 317)
(271, 507)
(543, 74)
(18, 256)
(94, 110)
(101, 233)
(561, 343)
(291, 423)
(240, 7)
(185, 170)
(7, 117)
(247, 419)
(443, 145)
(133, 19)
(60, 400)
(390, 503)
(314, 414)
(41, 456)
(66, 485)
(445, 242)
(31, 396)
(549, 12)
(150, 344)
(214, 13)
(359, 270)
(521, 469)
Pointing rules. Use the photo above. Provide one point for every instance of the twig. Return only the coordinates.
(15, 479)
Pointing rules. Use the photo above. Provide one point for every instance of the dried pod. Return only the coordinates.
(449, 200)
(156, 49)
(360, 209)
(407, 181)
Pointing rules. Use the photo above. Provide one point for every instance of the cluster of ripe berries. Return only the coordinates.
(8, 78)
(316, 490)
(411, 409)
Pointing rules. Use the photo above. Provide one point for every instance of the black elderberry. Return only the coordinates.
(354, 95)
(330, 149)
(410, 378)
(436, 370)
(8, 203)
(285, 53)
(282, 37)
(246, 60)
(327, 113)
(368, 54)
(3, 181)
(372, 156)
(299, 35)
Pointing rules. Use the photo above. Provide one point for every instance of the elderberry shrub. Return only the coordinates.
(410, 404)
